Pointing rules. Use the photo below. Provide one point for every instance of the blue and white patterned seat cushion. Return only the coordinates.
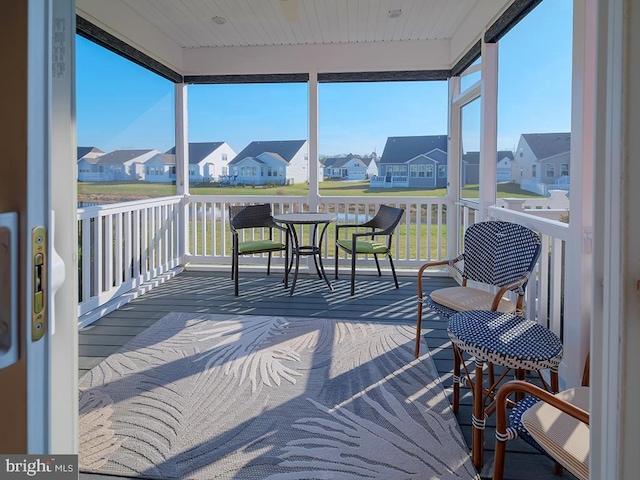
(515, 421)
(505, 339)
(468, 298)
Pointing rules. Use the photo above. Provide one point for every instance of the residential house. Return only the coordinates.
(471, 167)
(122, 165)
(415, 161)
(543, 159)
(87, 157)
(161, 168)
(272, 162)
(208, 161)
(349, 167)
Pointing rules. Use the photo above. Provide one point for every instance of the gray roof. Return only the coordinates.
(474, 157)
(121, 156)
(438, 155)
(403, 149)
(199, 150)
(545, 145)
(166, 158)
(286, 149)
(82, 151)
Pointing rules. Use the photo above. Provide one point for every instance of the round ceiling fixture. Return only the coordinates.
(219, 20)
(394, 13)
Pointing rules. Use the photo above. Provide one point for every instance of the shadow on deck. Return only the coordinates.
(375, 299)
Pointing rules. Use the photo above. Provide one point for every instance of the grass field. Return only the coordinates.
(111, 192)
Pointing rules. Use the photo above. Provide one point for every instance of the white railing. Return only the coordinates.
(121, 246)
(532, 185)
(420, 236)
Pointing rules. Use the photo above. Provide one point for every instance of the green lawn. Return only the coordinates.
(109, 192)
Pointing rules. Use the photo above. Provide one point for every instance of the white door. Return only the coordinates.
(37, 51)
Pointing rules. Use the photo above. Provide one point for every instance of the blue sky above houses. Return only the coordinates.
(120, 105)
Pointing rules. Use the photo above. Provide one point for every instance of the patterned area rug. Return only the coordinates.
(255, 397)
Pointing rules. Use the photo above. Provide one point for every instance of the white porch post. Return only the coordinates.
(314, 188)
(578, 251)
(488, 127)
(182, 164)
(453, 170)
(615, 425)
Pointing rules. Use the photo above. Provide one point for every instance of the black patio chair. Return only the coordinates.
(383, 224)
(255, 217)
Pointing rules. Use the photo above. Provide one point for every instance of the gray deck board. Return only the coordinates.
(375, 299)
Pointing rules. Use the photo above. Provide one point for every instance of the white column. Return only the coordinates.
(578, 252)
(64, 343)
(182, 164)
(314, 193)
(616, 298)
(453, 170)
(488, 127)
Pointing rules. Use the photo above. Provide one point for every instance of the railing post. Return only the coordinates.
(313, 163)
(182, 167)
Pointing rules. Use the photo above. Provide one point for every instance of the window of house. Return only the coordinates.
(550, 170)
(413, 171)
(564, 169)
(442, 171)
(225, 170)
(534, 170)
(224, 157)
(429, 171)
(192, 171)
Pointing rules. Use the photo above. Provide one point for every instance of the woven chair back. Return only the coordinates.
(250, 216)
(498, 253)
(386, 219)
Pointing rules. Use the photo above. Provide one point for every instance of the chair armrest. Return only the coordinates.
(521, 386)
(425, 267)
(505, 289)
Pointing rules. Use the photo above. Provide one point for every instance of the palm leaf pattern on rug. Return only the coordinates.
(221, 396)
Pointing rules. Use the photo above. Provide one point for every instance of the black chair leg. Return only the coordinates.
(393, 270)
(269, 264)
(336, 254)
(236, 275)
(353, 273)
(375, 257)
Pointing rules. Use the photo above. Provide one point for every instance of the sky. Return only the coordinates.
(121, 105)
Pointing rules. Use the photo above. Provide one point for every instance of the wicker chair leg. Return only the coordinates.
(457, 360)
(498, 460)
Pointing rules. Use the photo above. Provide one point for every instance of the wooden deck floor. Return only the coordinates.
(375, 299)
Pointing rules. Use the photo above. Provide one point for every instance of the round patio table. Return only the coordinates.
(314, 248)
(501, 339)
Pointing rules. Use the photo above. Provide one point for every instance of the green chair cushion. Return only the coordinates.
(257, 246)
(363, 246)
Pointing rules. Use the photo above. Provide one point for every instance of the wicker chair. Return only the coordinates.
(556, 425)
(243, 217)
(382, 224)
(498, 254)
